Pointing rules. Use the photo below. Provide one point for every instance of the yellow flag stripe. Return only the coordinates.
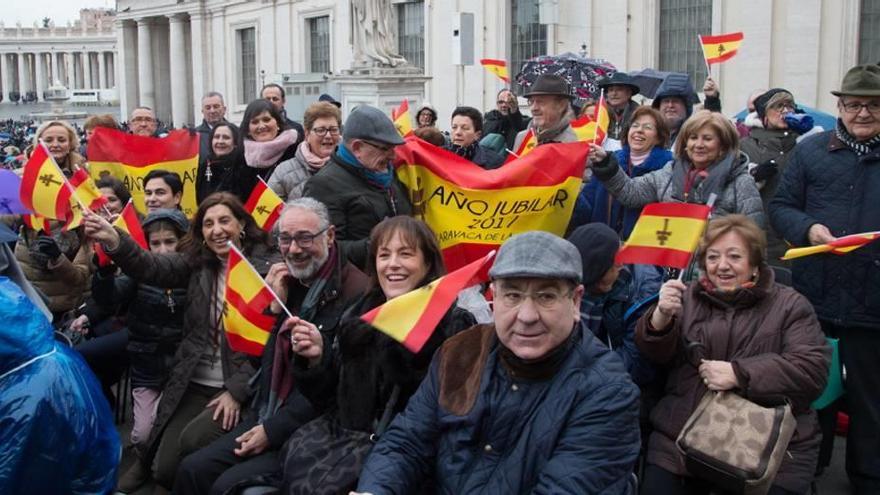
(398, 319)
(245, 281)
(678, 233)
(235, 322)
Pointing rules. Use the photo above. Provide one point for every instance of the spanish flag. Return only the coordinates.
(525, 147)
(44, 188)
(497, 67)
(402, 120)
(412, 317)
(129, 158)
(82, 193)
(37, 222)
(666, 234)
(840, 246)
(128, 222)
(264, 205)
(244, 299)
(720, 48)
(603, 120)
(584, 128)
(473, 211)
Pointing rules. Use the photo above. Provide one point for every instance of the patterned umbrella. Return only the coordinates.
(581, 73)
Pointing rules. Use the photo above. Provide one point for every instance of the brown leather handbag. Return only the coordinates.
(734, 443)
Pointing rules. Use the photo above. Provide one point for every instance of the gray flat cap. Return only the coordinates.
(370, 123)
(537, 254)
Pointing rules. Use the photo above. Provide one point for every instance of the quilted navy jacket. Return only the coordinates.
(825, 182)
(575, 432)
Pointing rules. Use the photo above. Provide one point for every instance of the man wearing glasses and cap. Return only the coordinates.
(829, 189)
(317, 284)
(533, 403)
(358, 183)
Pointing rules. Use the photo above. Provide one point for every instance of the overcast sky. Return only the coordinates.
(60, 11)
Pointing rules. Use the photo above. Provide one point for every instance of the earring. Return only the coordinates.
(241, 235)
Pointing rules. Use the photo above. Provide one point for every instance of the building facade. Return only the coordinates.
(81, 56)
(174, 51)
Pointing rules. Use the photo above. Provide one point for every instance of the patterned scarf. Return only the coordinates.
(282, 375)
(859, 148)
(266, 154)
(466, 152)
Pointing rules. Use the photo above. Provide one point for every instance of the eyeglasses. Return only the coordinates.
(384, 149)
(302, 239)
(142, 119)
(853, 107)
(544, 299)
(322, 131)
(644, 127)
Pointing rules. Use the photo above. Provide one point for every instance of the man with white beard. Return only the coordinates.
(317, 284)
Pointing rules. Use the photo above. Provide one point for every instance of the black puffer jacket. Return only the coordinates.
(359, 370)
(155, 324)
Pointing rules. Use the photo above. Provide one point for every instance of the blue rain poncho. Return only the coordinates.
(56, 429)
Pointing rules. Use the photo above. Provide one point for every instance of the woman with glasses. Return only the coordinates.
(208, 384)
(363, 377)
(222, 170)
(773, 133)
(707, 162)
(644, 151)
(323, 125)
(736, 330)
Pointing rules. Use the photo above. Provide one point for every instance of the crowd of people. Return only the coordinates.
(578, 377)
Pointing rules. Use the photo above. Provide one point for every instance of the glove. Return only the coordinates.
(799, 122)
(765, 170)
(47, 246)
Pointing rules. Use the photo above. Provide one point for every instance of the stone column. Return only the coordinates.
(70, 75)
(7, 80)
(147, 93)
(180, 111)
(197, 28)
(55, 75)
(87, 70)
(40, 83)
(102, 77)
(22, 75)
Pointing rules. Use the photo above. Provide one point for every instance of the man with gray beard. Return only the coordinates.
(317, 284)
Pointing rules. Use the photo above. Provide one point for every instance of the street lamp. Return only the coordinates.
(262, 77)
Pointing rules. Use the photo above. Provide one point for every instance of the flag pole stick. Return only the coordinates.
(511, 152)
(705, 60)
(271, 291)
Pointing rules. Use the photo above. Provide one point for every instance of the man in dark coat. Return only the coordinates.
(531, 404)
(829, 189)
(619, 90)
(318, 284)
(506, 119)
(213, 113)
(358, 183)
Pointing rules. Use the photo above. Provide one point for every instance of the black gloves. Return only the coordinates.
(607, 168)
(47, 246)
(765, 170)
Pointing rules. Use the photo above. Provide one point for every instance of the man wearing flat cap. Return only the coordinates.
(530, 404)
(550, 103)
(828, 190)
(358, 184)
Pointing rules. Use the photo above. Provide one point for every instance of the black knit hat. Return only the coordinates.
(762, 101)
(598, 244)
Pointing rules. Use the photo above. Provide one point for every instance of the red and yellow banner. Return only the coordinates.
(411, 318)
(840, 246)
(44, 188)
(497, 67)
(128, 222)
(603, 120)
(402, 120)
(244, 299)
(264, 205)
(720, 48)
(473, 210)
(129, 158)
(666, 234)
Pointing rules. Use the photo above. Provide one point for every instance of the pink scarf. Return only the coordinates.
(267, 153)
(314, 161)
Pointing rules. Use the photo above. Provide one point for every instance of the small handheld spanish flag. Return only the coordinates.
(264, 205)
(666, 234)
(401, 118)
(497, 67)
(44, 188)
(525, 147)
(245, 297)
(603, 120)
(840, 246)
(128, 222)
(82, 193)
(584, 128)
(411, 318)
(720, 48)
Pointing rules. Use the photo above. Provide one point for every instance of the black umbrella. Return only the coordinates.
(581, 73)
(649, 80)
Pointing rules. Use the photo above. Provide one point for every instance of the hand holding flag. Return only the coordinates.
(839, 246)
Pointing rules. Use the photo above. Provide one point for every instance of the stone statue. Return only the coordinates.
(373, 35)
